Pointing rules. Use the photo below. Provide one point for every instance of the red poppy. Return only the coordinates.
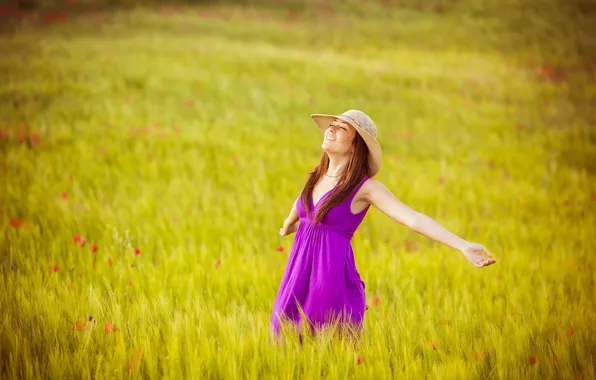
(94, 248)
(110, 261)
(280, 248)
(56, 267)
(76, 238)
(533, 359)
(217, 263)
(376, 300)
(110, 327)
(7, 10)
(15, 223)
(137, 251)
(359, 360)
(570, 331)
(365, 307)
(79, 325)
(64, 195)
(82, 242)
(410, 245)
(594, 196)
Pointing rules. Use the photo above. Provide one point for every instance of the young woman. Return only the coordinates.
(321, 283)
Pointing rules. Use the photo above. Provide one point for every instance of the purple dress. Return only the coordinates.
(320, 274)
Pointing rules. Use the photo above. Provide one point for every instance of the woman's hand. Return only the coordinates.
(288, 228)
(473, 252)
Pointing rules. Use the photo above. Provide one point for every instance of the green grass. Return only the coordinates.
(185, 132)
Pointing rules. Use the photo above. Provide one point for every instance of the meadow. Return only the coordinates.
(150, 153)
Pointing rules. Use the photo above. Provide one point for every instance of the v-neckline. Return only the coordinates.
(320, 199)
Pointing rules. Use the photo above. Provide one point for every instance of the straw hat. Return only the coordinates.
(364, 125)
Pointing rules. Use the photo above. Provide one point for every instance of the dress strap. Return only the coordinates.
(357, 188)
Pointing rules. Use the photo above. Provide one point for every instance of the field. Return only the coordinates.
(149, 155)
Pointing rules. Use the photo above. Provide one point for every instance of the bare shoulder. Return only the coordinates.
(371, 187)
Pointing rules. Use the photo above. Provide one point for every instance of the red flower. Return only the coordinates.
(594, 196)
(280, 248)
(94, 248)
(359, 360)
(365, 307)
(533, 359)
(64, 195)
(110, 261)
(570, 331)
(35, 138)
(217, 263)
(130, 283)
(76, 238)
(376, 300)
(110, 327)
(137, 251)
(56, 267)
(410, 245)
(79, 325)
(15, 223)
(82, 242)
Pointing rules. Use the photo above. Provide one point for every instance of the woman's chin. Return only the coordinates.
(326, 146)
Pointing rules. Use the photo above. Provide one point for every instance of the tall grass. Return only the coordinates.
(149, 155)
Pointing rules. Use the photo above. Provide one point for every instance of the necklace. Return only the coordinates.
(331, 176)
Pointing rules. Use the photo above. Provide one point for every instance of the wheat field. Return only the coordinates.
(150, 153)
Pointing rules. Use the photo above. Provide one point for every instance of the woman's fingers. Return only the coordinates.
(486, 251)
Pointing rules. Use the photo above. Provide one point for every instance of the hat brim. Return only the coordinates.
(374, 149)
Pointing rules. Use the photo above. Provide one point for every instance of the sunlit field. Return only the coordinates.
(150, 154)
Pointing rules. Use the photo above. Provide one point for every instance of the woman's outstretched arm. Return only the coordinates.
(291, 223)
(379, 196)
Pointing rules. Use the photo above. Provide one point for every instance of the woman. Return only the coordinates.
(321, 284)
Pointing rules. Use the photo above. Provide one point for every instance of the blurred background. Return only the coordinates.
(150, 151)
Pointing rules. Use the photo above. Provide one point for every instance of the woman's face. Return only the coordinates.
(338, 137)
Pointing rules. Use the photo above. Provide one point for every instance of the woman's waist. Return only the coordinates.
(326, 227)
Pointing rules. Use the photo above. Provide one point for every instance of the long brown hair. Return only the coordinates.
(355, 172)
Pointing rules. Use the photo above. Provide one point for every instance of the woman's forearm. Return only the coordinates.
(428, 227)
(293, 216)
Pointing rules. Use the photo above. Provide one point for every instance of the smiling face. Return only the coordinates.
(338, 138)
